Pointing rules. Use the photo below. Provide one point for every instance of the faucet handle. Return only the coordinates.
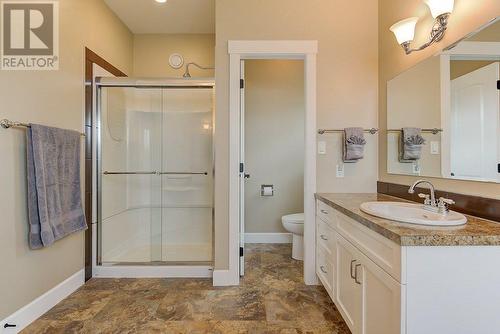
(446, 201)
(427, 198)
(443, 204)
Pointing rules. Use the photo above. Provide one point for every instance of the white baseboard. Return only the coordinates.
(225, 278)
(153, 271)
(32, 311)
(268, 238)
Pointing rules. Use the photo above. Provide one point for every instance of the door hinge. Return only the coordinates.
(241, 251)
(242, 167)
(242, 83)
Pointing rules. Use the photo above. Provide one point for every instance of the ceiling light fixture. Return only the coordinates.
(161, 1)
(404, 30)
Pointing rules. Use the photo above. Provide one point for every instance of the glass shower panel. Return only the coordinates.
(130, 189)
(187, 178)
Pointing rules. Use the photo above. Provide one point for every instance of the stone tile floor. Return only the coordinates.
(271, 298)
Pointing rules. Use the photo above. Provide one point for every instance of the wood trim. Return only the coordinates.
(487, 208)
(91, 58)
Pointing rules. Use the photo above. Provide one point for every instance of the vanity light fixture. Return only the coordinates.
(404, 30)
(161, 1)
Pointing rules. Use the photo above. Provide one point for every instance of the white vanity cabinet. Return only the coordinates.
(389, 278)
(368, 297)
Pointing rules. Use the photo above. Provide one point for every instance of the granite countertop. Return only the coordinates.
(476, 232)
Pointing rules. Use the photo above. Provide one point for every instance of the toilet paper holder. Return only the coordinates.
(267, 190)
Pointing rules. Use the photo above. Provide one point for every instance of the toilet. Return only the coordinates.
(294, 224)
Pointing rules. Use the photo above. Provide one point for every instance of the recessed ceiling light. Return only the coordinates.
(161, 1)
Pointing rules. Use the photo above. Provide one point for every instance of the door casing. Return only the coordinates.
(305, 50)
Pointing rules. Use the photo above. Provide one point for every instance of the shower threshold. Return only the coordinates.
(160, 263)
(159, 269)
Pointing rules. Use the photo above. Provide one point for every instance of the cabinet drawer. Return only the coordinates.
(325, 269)
(382, 251)
(324, 212)
(325, 236)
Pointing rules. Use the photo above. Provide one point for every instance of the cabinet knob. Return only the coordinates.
(323, 237)
(324, 211)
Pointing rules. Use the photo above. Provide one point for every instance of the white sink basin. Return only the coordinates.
(412, 214)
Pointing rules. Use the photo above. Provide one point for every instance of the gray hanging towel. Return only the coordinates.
(353, 144)
(54, 190)
(410, 144)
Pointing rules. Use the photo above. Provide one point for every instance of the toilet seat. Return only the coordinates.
(296, 218)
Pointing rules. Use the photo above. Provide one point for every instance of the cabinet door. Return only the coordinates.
(381, 300)
(324, 270)
(348, 292)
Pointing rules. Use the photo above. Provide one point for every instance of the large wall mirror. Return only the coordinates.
(443, 115)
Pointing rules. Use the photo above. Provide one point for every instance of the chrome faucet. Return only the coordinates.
(430, 203)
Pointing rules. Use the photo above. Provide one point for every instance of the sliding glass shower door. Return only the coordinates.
(155, 178)
(187, 178)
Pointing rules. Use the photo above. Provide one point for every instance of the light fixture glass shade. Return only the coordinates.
(404, 30)
(439, 7)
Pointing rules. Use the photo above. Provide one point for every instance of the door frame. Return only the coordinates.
(137, 270)
(238, 50)
(463, 50)
(91, 58)
(242, 169)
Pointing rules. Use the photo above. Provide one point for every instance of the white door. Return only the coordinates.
(382, 303)
(243, 175)
(348, 289)
(475, 125)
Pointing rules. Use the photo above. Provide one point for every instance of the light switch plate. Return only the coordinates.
(434, 147)
(416, 168)
(340, 170)
(321, 147)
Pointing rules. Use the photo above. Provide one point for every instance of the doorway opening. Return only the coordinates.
(271, 156)
(242, 50)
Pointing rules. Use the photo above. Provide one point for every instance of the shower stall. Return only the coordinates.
(154, 177)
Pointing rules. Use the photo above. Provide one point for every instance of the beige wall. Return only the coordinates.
(274, 141)
(406, 107)
(462, 67)
(53, 98)
(467, 16)
(151, 53)
(414, 97)
(488, 34)
(346, 84)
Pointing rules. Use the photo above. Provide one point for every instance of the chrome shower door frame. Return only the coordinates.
(148, 269)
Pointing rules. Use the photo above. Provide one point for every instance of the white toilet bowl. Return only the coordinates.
(295, 224)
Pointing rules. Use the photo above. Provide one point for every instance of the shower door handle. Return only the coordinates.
(154, 173)
(183, 173)
(129, 173)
